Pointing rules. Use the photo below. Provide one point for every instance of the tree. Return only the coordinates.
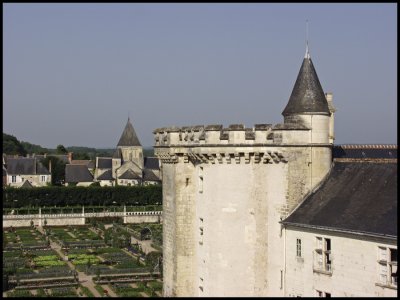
(32, 148)
(61, 149)
(57, 169)
(81, 155)
(12, 146)
(152, 260)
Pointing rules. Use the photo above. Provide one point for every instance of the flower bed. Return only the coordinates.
(125, 290)
(83, 259)
(41, 252)
(19, 293)
(63, 291)
(50, 263)
(46, 257)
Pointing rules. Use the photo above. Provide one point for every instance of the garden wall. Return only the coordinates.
(79, 219)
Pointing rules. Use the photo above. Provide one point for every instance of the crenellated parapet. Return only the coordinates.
(214, 135)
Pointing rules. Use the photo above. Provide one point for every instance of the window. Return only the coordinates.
(43, 178)
(387, 266)
(200, 179)
(323, 258)
(298, 247)
(13, 178)
(322, 294)
(201, 232)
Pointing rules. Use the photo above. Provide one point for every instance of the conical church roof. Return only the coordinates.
(307, 96)
(129, 137)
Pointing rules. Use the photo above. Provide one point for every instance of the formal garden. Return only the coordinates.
(48, 262)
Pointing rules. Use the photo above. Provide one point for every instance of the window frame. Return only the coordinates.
(298, 248)
(386, 266)
(322, 255)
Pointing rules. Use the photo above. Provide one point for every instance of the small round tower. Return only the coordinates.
(308, 107)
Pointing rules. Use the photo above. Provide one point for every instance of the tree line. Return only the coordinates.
(75, 195)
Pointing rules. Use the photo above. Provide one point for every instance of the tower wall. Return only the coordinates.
(178, 228)
(224, 192)
(132, 153)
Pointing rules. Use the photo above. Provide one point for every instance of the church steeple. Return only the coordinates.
(129, 137)
(307, 96)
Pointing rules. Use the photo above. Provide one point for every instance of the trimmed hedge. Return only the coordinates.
(70, 196)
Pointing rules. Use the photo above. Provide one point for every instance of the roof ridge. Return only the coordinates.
(368, 146)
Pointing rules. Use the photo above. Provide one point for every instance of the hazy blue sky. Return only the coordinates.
(73, 72)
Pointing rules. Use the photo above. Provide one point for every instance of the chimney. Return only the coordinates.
(69, 157)
(332, 109)
(50, 165)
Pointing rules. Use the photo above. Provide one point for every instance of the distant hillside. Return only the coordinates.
(32, 148)
(12, 146)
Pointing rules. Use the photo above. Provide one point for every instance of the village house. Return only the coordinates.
(25, 171)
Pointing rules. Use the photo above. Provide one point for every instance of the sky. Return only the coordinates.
(73, 73)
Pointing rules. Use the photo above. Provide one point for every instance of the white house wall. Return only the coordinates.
(354, 265)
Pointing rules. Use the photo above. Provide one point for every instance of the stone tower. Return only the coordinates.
(226, 189)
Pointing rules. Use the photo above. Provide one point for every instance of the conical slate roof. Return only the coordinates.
(129, 137)
(307, 96)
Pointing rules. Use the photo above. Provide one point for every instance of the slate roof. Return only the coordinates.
(26, 184)
(151, 163)
(356, 196)
(365, 151)
(63, 157)
(129, 137)
(129, 174)
(90, 164)
(77, 173)
(307, 96)
(117, 153)
(25, 166)
(148, 175)
(104, 163)
(107, 175)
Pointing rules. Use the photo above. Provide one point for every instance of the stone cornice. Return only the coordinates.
(228, 157)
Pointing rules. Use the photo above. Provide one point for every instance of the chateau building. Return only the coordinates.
(278, 210)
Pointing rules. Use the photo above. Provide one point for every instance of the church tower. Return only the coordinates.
(129, 150)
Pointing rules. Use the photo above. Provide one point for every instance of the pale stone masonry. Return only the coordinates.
(226, 192)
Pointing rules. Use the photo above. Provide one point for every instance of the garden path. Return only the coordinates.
(146, 245)
(110, 291)
(84, 279)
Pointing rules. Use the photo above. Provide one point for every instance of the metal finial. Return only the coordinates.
(307, 55)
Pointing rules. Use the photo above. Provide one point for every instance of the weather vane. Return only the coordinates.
(307, 52)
